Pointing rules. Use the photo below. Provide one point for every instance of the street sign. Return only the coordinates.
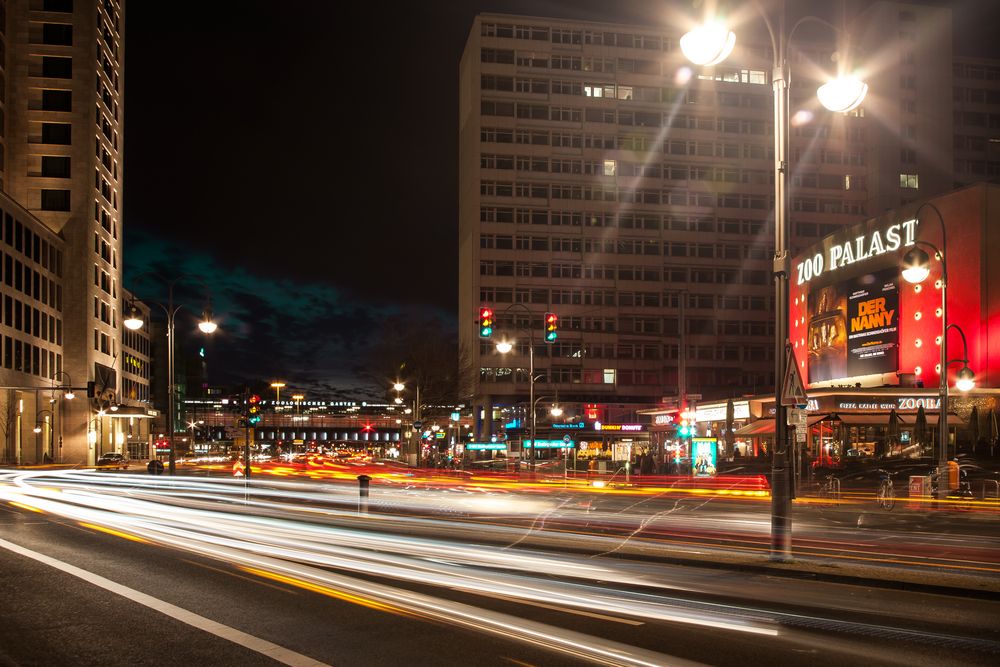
(417, 425)
(793, 392)
(693, 397)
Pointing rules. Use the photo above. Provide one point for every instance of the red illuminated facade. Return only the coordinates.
(855, 321)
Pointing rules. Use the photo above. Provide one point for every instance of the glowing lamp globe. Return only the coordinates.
(708, 44)
(842, 94)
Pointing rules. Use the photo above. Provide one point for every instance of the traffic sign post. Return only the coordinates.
(793, 392)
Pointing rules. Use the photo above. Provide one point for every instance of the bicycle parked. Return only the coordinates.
(885, 497)
(829, 490)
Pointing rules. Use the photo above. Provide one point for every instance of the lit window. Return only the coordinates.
(610, 167)
(847, 182)
(909, 181)
(609, 376)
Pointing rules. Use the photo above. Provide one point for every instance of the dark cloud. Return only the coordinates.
(318, 336)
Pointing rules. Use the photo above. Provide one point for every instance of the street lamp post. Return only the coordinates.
(505, 346)
(68, 394)
(916, 268)
(206, 325)
(414, 445)
(40, 425)
(710, 44)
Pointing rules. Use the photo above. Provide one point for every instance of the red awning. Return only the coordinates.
(758, 427)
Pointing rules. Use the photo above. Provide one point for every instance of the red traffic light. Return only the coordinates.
(551, 327)
(254, 399)
(485, 322)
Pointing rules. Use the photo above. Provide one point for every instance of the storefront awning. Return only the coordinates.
(765, 426)
(932, 420)
(759, 427)
(867, 420)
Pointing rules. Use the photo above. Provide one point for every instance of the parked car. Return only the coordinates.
(110, 460)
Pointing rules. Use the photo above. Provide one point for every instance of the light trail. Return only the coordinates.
(308, 535)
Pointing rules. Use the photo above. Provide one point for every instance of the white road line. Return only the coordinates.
(262, 646)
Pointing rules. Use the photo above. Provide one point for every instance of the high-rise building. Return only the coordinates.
(606, 179)
(63, 105)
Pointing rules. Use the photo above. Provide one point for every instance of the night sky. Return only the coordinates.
(301, 158)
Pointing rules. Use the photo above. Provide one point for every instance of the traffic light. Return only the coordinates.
(253, 410)
(551, 327)
(485, 322)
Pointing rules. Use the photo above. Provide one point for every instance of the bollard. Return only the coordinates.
(363, 481)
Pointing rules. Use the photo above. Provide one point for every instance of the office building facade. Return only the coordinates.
(605, 179)
(62, 162)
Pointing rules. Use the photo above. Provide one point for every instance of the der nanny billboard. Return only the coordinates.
(854, 327)
(845, 302)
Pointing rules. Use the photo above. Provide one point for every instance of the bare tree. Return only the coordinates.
(8, 424)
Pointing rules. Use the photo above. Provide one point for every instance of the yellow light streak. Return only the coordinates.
(330, 592)
(116, 533)
(23, 506)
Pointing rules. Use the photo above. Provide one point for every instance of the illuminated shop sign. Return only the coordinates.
(839, 254)
(716, 413)
(549, 444)
(663, 420)
(486, 446)
(913, 403)
(573, 425)
(631, 428)
(899, 403)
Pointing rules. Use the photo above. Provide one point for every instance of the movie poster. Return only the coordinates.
(827, 336)
(854, 327)
(704, 456)
(873, 324)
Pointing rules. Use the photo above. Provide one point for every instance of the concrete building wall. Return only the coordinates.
(31, 336)
(65, 100)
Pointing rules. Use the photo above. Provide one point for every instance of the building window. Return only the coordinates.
(57, 68)
(57, 133)
(59, 34)
(610, 167)
(55, 200)
(909, 181)
(57, 100)
(54, 166)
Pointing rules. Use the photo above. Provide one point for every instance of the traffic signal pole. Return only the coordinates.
(246, 441)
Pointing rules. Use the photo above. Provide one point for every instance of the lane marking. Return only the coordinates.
(262, 646)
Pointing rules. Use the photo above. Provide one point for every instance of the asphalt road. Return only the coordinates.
(215, 600)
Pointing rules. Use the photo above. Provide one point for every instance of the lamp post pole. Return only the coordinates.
(781, 502)
(531, 396)
(709, 45)
(531, 379)
(943, 363)
(206, 325)
(171, 310)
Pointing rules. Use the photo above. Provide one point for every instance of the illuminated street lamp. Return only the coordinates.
(134, 322)
(398, 387)
(709, 44)
(916, 269)
(277, 385)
